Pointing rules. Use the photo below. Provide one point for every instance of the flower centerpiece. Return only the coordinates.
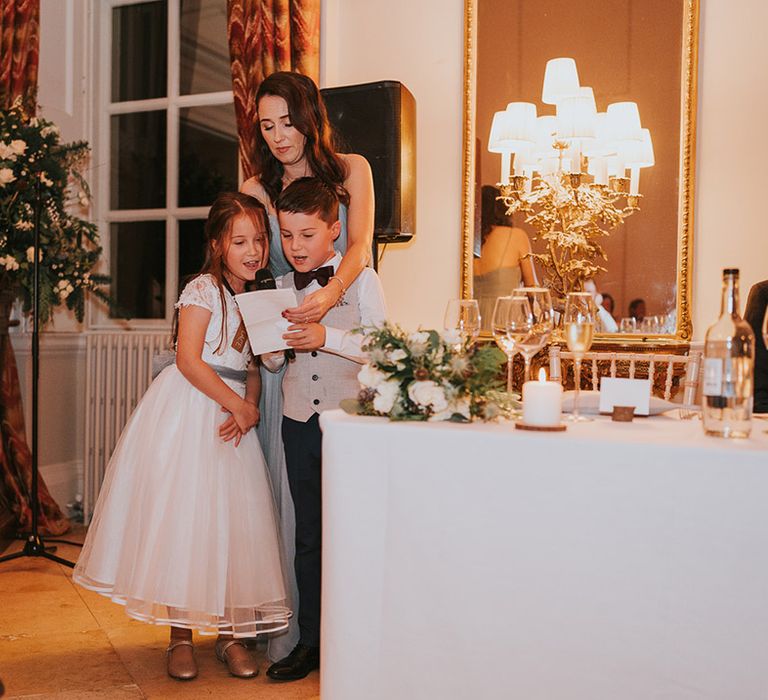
(34, 163)
(427, 375)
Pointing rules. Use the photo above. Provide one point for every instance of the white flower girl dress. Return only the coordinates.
(184, 531)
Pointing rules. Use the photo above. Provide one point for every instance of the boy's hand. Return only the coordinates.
(305, 336)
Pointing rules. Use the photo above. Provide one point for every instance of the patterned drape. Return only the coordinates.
(19, 48)
(266, 36)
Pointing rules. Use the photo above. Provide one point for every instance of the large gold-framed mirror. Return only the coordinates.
(644, 51)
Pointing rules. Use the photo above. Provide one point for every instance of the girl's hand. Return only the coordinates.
(316, 304)
(245, 417)
(306, 336)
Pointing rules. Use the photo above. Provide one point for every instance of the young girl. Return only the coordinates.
(184, 531)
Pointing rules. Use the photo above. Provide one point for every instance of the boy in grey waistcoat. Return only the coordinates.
(328, 359)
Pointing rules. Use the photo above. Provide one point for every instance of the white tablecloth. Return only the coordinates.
(616, 561)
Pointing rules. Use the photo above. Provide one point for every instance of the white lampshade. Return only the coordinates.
(514, 129)
(638, 154)
(546, 134)
(577, 116)
(561, 79)
(601, 145)
(623, 121)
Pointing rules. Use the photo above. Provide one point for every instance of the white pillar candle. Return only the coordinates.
(634, 182)
(506, 161)
(542, 401)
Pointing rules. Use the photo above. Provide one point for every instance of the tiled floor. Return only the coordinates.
(58, 640)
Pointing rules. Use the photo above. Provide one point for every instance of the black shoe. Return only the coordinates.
(298, 664)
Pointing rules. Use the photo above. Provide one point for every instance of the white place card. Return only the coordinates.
(616, 391)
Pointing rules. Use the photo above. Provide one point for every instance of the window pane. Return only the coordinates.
(207, 153)
(138, 267)
(191, 249)
(204, 47)
(138, 160)
(139, 51)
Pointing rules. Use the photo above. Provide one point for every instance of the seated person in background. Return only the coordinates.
(637, 310)
(608, 303)
(606, 322)
(505, 260)
(757, 302)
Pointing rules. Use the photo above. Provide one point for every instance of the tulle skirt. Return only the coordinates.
(184, 532)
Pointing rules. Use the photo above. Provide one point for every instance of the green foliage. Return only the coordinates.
(33, 159)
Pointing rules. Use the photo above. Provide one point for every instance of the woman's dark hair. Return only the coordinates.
(493, 211)
(227, 208)
(307, 113)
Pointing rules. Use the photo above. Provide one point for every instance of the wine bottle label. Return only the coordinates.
(713, 376)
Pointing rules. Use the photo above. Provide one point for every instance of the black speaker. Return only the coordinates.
(378, 121)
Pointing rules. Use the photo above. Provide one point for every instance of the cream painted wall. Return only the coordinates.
(421, 44)
(733, 111)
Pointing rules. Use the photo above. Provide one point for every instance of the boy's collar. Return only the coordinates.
(334, 261)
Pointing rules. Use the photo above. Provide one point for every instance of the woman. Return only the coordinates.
(295, 140)
(505, 256)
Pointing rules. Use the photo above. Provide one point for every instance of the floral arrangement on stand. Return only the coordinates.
(34, 162)
(432, 376)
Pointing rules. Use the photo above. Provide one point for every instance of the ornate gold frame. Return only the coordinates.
(684, 331)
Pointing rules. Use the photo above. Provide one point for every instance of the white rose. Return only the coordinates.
(51, 129)
(417, 343)
(30, 254)
(452, 336)
(386, 395)
(18, 147)
(461, 407)
(370, 377)
(428, 394)
(10, 263)
(6, 152)
(397, 355)
(6, 176)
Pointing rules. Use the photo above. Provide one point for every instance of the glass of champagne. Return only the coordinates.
(543, 322)
(579, 323)
(511, 323)
(463, 316)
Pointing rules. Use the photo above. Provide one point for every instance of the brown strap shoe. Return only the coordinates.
(181, 660)
(234, 653)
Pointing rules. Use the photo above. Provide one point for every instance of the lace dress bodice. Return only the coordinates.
(203, 291)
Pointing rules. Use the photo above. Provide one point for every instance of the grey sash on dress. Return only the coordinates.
(163, 359)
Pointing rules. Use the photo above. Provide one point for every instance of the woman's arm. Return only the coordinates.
(193, 322)
(359, 184)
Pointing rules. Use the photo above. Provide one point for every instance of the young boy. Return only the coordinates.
(328, 359)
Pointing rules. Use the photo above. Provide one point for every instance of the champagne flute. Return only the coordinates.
(543, 322)
(511, 323)
(579, 322)
(463, 316)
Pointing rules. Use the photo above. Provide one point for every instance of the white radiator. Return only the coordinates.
(118, 372)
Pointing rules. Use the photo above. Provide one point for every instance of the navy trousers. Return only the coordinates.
(303, 451)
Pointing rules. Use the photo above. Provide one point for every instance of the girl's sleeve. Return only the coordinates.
(201, 291)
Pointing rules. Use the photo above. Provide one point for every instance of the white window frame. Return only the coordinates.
(105, 109)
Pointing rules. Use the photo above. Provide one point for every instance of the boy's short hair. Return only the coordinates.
(309, 195)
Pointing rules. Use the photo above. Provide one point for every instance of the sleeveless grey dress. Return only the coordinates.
(270, 436)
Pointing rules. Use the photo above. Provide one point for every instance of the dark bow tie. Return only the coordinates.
(322, 275)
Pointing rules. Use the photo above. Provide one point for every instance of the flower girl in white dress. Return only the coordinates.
(184, 531)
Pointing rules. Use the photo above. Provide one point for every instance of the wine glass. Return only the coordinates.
(579, 322)
(543, 322)
(511, 323)
(463, 316)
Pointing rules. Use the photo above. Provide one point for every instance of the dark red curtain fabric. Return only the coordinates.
(266, 36)
(19, 51)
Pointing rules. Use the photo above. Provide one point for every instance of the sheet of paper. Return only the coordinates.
(261, 312)
(617, 391)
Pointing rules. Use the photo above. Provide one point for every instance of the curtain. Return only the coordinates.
(19, 47)
(266, 36)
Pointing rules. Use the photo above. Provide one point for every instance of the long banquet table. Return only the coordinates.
(615, 561)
